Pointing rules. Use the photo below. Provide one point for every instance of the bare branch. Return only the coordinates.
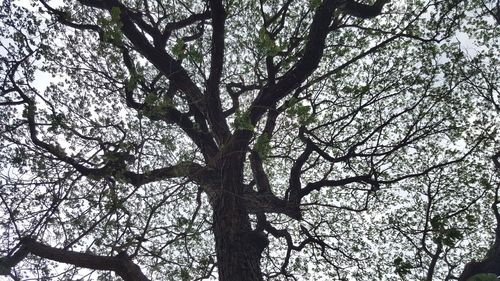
(121, 264)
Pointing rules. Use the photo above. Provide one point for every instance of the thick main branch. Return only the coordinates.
(121, 264)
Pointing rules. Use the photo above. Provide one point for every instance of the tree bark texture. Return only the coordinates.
(238, 247)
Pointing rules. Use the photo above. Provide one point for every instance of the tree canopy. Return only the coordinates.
(249, 140)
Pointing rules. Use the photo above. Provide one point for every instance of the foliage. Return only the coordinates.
(129, 126)
(483, 277)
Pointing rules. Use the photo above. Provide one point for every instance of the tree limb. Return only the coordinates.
(121, 264)
(364, 11)
(215, 114)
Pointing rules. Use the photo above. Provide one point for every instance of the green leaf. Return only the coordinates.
(115, 14)
(314, 4)
(179, 48)
(267, 44)
(242, 121)
(300, 112)
(262, 146)
(437, 222)
(483, 277)
(185, 276)
(402, 267)
(195, 55)
(450, 236)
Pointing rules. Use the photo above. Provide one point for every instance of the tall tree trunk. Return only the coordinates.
(238, 247)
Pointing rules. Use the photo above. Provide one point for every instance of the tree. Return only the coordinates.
(277, 140)
(477, 71)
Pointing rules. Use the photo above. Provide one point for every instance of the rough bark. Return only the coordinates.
(238, 247)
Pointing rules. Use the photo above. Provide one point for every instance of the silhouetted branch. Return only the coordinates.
(121, 264)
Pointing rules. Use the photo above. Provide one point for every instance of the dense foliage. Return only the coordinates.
(249, 140)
